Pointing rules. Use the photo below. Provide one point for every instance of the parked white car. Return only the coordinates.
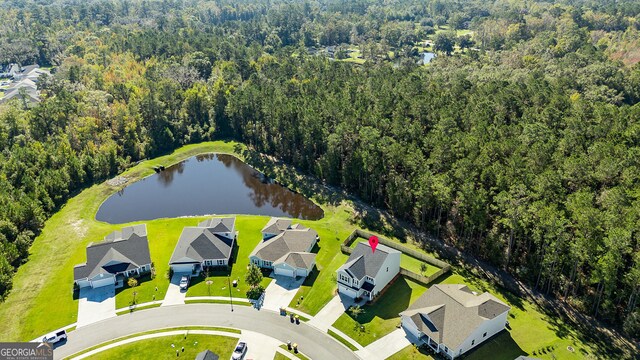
(184, 283)
(54, 337)
(240, 351)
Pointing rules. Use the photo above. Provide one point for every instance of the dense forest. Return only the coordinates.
(519, 144)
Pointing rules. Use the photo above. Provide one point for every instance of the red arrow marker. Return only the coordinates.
(373, 242)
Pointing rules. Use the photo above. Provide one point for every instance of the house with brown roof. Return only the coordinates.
(452, 319)
(286, 248)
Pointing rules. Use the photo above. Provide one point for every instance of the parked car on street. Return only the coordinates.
(240, 351)
(54, 337)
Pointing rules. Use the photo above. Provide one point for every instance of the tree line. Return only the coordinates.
(523, 151)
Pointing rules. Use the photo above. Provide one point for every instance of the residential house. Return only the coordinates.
(288, 252)
(207, 355)
(122, 254)
(452, 319)
(208, 244)
(367, 272)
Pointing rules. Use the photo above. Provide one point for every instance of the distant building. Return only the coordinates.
(25, 78)
(452, 319)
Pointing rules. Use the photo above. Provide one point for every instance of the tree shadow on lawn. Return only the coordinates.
(498, 347)
(395, 300)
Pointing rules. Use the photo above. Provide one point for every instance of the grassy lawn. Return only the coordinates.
(48, 274)
(342, 340)
(380, 318)
(409, 353)
(161, 348)
(298, 355)
(137, 308)
(249, 236)
(279, 356)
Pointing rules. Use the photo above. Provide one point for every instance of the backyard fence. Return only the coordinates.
(345, 247)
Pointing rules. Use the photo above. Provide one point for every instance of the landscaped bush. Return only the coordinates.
(254, 292)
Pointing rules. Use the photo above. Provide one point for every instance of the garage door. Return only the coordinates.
(349, 292)
(182, 268)
(285, 272)
(102, 282)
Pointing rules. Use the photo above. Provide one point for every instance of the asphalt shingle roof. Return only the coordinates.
(207, 355)
(450, 313)
(284, 243)
(300, 260)
(120, 251)
(363, 261)
(276, 225)
(203, 242)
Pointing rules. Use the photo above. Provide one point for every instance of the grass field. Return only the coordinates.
(409, 353)
(161, 348)
(380, 318)
(45, 282)
(42, 300)
(279, 356)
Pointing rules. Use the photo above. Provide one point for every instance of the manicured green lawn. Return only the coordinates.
(409, 353)
(249, 236)
(160, 348)
(381, 318)
(41, 299)
(279, 356)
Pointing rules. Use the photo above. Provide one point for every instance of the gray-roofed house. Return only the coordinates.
(122, 254)
(274, 227)
(366, 272)
(207, 355)
(208, 244)
(289, 252)
(452, 319)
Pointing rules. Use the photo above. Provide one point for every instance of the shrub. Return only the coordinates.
(254, 292)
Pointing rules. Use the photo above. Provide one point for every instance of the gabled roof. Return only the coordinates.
(207, 355)
(219, 225)
(300, 260)
(276, 226)
(450, 313)
(199, 243)
(363, 261)
(284, 243)
(120, 251)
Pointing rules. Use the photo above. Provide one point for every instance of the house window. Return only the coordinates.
(446, 349)
(473, 342)
(387, 269)
(220, 262)
(484, 335)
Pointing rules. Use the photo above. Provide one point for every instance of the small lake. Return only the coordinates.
(203, 185)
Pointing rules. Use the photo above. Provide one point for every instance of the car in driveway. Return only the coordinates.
(240, 351)
(54, 337)
(184, 283)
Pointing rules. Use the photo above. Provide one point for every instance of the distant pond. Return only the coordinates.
(203, 185)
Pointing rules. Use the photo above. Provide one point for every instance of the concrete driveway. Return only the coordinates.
(387, 345)
(96, 304)
(331, 312)
(174, 295)
(280, 292)
(259, 346)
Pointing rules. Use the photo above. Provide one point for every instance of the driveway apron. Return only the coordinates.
(280, 292)
(96, 304)
(174, 295)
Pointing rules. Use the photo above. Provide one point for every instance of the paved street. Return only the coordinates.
(96, 304)
(312, 342)
(280, 292)
(174, 295)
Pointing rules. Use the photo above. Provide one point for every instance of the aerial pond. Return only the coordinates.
(205, 185)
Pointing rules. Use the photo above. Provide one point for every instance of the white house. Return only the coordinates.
(288, 252)
(367, 272)
(208, 244)
(122, 254)
(452, 319)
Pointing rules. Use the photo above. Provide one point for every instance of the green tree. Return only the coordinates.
(444, 42)
(253, 277)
